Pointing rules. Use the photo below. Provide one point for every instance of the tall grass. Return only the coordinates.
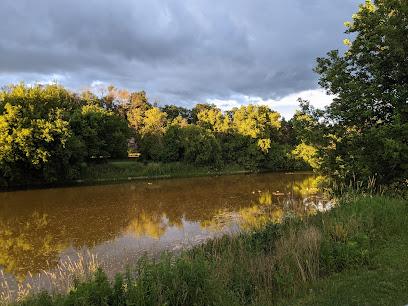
(61, 280)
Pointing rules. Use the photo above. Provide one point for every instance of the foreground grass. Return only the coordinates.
(354, 254)
(386, 284)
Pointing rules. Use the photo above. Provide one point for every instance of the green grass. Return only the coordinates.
(381, 279)
(355, 254)
(134, 169)
(387, 284)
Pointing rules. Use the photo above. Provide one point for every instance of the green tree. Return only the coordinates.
(198, 108)
(287, 133)
(174, 111)
(151, 134)
(241, 150)
(36, 141)
(154, 122)
(257, 122)
(138, 106)
(200, 147)
(368, 121)
(103, 132)
(210, 119)
(173, 145)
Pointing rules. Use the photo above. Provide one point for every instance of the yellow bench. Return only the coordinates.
(133, 154)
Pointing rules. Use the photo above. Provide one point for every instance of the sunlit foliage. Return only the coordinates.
(49, 134)
(367, 124)
(36, 141)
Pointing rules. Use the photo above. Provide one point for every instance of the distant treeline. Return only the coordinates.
(49, 133)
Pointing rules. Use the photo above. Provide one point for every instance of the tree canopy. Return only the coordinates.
(46, 136)
(49, 134)
(35, 137)
(368, 120)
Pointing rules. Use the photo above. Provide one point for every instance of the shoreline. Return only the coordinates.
(174, 170)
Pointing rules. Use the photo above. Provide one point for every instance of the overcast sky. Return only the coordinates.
(227, 52)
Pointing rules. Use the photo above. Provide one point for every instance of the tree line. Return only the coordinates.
(49, 133)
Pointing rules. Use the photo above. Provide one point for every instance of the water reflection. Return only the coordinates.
(39, 227)
(150, 225)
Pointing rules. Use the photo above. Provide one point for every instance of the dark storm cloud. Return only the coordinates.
(179, 51)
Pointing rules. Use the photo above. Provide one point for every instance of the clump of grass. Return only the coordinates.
(61, 280)
(298, 252)
(71, 271)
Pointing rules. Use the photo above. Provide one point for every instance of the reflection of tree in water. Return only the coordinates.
(219, 221)
(246, 218)
(36, 226)
(254, 217)
(306, 187)
(273, 206)
(22, 246)
(146, 224)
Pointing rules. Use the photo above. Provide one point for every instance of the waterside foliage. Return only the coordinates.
(49, 134)
(364, 131)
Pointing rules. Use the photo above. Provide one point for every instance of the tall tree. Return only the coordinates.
(154, 122)
(257, 122)
(103, 132)
(174, 111)
(138, 106)
(151, 133)
(210, 119)
(369, 117)
(36, 141)
(200, 107)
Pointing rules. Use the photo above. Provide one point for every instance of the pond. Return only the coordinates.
(49, 230)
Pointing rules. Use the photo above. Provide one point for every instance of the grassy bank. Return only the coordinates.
(114, 171)
(128, 169)
(354, 254)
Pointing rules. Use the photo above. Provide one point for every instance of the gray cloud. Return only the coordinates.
(179, 51)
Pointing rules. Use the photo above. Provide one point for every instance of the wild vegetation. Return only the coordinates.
(364, 132)
(50, 134)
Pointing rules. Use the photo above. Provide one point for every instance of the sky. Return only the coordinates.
(182, 52)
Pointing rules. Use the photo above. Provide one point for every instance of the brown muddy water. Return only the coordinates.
(43, 232)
